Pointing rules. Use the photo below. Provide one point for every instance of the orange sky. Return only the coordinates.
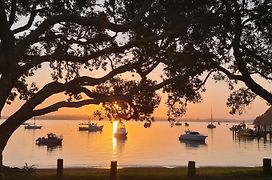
(214, 98)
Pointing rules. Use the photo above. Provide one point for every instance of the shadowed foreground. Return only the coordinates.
(146, 173)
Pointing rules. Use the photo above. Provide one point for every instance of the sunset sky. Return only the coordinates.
(213, 99)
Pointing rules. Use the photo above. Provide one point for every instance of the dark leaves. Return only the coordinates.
(239, 99)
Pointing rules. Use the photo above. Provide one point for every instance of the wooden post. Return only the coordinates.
(191, 169)
(267, 166)
(59, 168)
(113, 170)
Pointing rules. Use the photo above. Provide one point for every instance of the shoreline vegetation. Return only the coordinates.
(245, 173)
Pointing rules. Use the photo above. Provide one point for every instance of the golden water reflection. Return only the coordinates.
(155, 146)
(114, 140)
(118, 144)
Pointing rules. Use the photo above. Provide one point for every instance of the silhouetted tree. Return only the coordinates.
(186, 40)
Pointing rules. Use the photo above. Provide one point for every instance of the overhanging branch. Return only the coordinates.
(96, 21)
(36, 60)
(65, 104)
(229, 74)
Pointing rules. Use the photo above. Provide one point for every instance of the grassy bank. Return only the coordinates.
(233, 173)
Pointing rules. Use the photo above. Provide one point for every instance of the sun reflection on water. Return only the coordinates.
(114, 140)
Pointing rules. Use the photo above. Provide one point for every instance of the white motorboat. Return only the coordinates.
(121, 132)
(90, 127)
(192, 136)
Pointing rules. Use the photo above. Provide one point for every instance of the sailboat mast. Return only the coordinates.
(211, 115)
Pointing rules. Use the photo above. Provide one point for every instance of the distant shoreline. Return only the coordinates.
(86, 118)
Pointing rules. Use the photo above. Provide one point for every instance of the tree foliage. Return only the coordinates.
(189, 41)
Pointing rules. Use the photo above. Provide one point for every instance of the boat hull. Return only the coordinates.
(33, 127)
(121, 136)
(200, 138)
(46, 141)
(91, 128)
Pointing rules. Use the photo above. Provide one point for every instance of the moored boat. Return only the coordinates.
(51, 139)
(121, 132)
(192, 136)
(247, 132)
(178, 123)
(32, 126)
(238, 127)
(90, 127)
(211, 126)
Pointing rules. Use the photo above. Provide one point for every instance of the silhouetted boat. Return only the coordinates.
(238, 127)
(246, 132)
(186, 124)
(90, 127)
(211, 125)
(51, 139)
(32, 126)
(178, 123)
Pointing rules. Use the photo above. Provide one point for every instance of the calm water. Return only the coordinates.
(155, 146)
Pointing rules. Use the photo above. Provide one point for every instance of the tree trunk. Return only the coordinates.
(1, 160)
(7, 128)
(3, 142)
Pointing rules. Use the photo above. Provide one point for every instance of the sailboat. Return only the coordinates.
(211, 125)
(33, 126)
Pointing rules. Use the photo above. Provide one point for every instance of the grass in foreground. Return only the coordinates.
(209, 173)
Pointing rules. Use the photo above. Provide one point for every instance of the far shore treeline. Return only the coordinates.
(87, 118)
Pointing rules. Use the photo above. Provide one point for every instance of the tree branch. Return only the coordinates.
(97, 39)
(28, 24)
(97, 21)
(205, 80)
(36, 60)
(255, 56)
(12, 12)
(229, 74)
(256, 88)
(62, 104)
(4, 26)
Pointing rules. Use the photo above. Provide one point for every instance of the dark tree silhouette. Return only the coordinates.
(187, 40)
